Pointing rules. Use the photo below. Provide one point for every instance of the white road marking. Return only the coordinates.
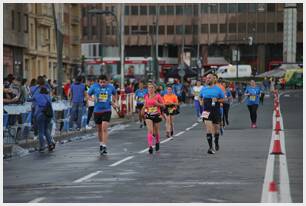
(195, 124)
(87, 176)
(166, 140)
(195, 183)
(189, 128)
(121, 161)
(143, 151)
(36, 200)
(287, 95)
(178, 134)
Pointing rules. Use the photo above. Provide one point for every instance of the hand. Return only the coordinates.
(214, 99)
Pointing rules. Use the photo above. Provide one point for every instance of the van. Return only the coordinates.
(229, 71)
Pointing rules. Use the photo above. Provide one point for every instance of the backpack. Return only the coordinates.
(48, 110)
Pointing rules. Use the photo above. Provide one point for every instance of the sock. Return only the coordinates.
(217, 138)
(209, 140)
(150, 139)
(101, 144)
(157, 138)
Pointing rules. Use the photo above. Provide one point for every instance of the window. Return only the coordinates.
(144, 28)
(170, 10)
(134, 10)
(188, 29)
(179, 10)
(271, 27)
(126, 30)
(152, 29)
(179, 29)
(26, 23)
(204, 8)
(252, 7)
(299, 26)
(280, 27)
(195, 29)
(251, 28)
(223, 8)
(108, 30)
(143, 10)
(213, 8)
(223, 28)
(13, 19)
(242, 27)
(83, 11)
(94, 50)
(113, 30)
(232, 8)
(214, 28)
(84, 31)
(161, 30)
(271, 7)
(170, 30)
(162, 10)
(242, 8)
(261, 28)
(93, 30)
(204, 28)
(134, 29)
(232, 28)
(152, 10)
(188, 9)
(196, 10)
(126, 10)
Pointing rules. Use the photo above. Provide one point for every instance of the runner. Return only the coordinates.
(171, 103)
(139, 96)
(105, 97)
(211, 96)
(252, 92)
(152, 110)
(227, 102)
(196, 91)
(220, 85)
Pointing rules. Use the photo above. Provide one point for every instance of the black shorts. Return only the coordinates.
(102, 117)
(156, 118)
(139, 107)
(214, 116)
(170, 110)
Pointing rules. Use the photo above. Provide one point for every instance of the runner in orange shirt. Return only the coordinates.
(171, 103)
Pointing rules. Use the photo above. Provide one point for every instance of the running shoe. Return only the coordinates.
(157, 147)
(150, 150)
(140, 126)
(171, 133)
(101, 150)
(211, 151)
(88, 127)
(217, 146)
(104, 150)
(51, 147)
(255, 126)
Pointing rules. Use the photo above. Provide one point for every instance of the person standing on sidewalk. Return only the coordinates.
(139, 97)
(77, 95)
(252, 92)
(105, 97)
(196, 91)
(90, 102)
(211, 96)
(152, 111)
(41, 100)
(171, 103)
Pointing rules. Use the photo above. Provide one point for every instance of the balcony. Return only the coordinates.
(75, 40)
(45, 21)
(75, 20)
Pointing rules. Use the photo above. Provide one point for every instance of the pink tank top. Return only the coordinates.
(150, 104)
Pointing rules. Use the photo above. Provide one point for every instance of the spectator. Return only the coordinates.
(67, 88)
(24, 91)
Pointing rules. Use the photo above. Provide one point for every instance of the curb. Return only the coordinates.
(31, 145)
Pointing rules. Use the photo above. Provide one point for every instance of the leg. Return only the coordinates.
(90, 111)
(168, 124)
(250, 110)
(156, 127)
(72, 115)
(254, 109)
(171, 124)
(209, 128)
(105, 132)
(100, 134)
(149, 124)
(41, 130)
(197, 108)
(79, 114)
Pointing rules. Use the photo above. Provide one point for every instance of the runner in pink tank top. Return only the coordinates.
(152, 111)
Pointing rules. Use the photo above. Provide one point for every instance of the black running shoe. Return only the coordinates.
(101, 150)
(140, 126)
(217, 146)
(150, 150)
(211, 151)
(51, 147)
(157, 147)
(104, 150)
(171, 133)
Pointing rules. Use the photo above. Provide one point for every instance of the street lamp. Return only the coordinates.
(119, 43)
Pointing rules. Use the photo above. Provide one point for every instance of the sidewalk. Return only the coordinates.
(28, 146)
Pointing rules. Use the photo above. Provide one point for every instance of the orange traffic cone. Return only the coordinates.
(272, 192)
(272, 187)
(276, 148)
(277, 126)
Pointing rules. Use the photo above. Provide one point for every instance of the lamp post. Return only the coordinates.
(120, 33)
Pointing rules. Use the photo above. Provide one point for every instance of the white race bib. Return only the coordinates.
(205, 114)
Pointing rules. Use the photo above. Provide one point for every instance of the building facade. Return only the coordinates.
(39, 41)
(203, 29)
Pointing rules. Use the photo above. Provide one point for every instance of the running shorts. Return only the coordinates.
(102, 117)
(214, 116)
(156, 118)
(139, 107)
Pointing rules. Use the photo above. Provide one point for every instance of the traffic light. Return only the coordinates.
(250, 40)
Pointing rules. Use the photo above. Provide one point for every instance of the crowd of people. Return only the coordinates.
(212, 98)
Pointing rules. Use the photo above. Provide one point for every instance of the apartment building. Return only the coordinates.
(206, 29)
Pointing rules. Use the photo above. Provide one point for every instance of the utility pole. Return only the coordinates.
(59, 49)
(122, 45)
(156, 68)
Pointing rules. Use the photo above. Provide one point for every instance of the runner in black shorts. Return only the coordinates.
(139, 97)
(210, 97)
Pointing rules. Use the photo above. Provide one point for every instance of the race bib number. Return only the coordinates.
(140, 100)
(252, 98)
(103, 97)
(171, 109)
(152, 110)
(196, 94)
(205, 114)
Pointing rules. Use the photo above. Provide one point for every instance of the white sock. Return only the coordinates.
(101, 144)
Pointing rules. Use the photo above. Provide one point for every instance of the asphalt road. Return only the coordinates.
(181, 172)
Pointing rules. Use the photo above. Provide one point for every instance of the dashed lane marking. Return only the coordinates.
(121, 161)
(166, 140)
(36, 200)
(87, 176)
(178, 134)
